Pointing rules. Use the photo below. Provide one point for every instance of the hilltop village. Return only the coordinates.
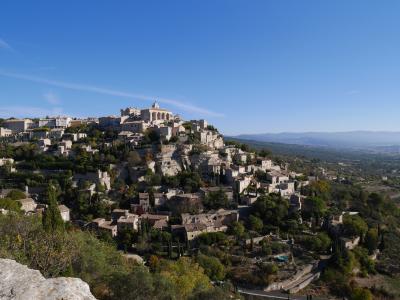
(171, 194)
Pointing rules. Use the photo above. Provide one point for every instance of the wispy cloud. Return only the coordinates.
(52, 98)
(353, 92)
(105, 91)
(5, 45)
(28, 111)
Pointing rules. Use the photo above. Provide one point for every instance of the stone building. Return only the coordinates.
(27, 204)
(98, 177)
(4, 132)
(130, 111)
(56, 122)
(156, 114)
(18, 125)
(214, 221)
(102, 225)
(64, 212)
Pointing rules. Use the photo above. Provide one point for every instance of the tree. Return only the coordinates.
(256, 223)
(265, 153)
(271, 209)
(209, 238)
(212, 267)
(125, 239)
(320, 243)
(152, 135)
(154, 263)
(23, 238)
(315, 206)
(320, 188)
(355, 226)
(216, 200)
(372, 240)
(135, 285)
(51, 219)
(237, 229)
(361, 294)
(185, 276)
(212, 294)
(133, 159)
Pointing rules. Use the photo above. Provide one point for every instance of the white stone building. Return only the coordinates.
(4, 132)
(155, 114)
(18, 125)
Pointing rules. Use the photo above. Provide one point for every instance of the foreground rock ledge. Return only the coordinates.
(18, 282)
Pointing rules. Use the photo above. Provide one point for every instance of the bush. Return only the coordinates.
(10, 204)
(209, 238)
(16, 195)
(212, 267)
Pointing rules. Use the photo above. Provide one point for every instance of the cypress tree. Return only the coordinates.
(51, 219)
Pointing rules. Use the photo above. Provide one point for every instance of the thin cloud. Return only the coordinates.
(28, 111)
(5, 45)
(353, 92)
(52, 98)
(99, 90)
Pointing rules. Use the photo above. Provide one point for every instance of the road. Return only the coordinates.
(274, 295)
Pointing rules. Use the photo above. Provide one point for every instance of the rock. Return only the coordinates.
(18, 282)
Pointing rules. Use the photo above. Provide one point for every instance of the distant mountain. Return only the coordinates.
(379, 141)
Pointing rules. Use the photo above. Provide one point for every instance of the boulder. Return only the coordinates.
(18, 282)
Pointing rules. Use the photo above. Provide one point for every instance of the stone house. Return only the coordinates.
(266, 164)
(18, 125)
(142, 203)
(102, 225)
(241, 183)
(277, 177)
(128, 222)
(4, 132)
(27, 204)
(99, 177)
(56, 122)
(156, 221)
(65, 213)
(214, 221)
(349, 244)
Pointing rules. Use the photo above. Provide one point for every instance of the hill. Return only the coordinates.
(373, 141)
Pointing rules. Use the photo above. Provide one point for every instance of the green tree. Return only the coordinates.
(321, 242)
(212, 266)
(355, 226)
(256, 223)
(133, 158)
(237, 229)
(272, 209)
(372, 240)
(185, 276)
(216, 200)
(315, 206)
(361, 294)
(51, 219)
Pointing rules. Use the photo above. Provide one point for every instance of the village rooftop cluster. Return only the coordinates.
(160, 147)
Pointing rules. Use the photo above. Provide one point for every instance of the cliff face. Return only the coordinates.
(18, 282)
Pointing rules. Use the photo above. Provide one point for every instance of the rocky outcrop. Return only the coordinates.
(18, 282)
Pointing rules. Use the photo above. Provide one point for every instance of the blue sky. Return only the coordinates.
(246, 66)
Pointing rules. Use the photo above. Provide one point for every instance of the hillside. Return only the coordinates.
(375, 141)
